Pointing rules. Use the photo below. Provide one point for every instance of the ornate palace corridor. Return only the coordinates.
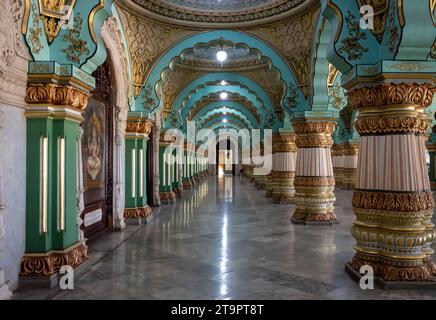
(224, 240)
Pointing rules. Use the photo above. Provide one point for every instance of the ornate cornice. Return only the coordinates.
(414, 94)
(57, 95)
(139, 125)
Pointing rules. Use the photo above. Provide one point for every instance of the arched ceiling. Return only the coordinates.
(218, 13)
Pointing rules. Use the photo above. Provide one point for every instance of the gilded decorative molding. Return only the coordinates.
(77, 47)
(314, 181)
(393, 201)
(139, 125)
(314, 134)
(388, 272)
(137, 213)
(54, 13)
(413, 94)
(56, 95)
(391, 125)
(284, 143)
(351, 45)
(333, 74)
(51, 262)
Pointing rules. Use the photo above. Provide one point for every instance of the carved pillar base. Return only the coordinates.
(392, 201)
(314, 182)
(167, 197)
(46, 266)
(260, 182)
(338, 164)
(138, 213)
(349, 178)
(284, 156)
(283, 184)
(350, 152)
(178, 192)
(269, 186)
(314, 199)
(187, 185)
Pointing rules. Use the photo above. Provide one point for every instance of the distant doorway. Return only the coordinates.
(225, 161)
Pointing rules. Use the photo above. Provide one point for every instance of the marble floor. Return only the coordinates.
(224, 240)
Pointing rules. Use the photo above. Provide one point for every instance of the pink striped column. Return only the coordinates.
(314, 181)
(392, 201)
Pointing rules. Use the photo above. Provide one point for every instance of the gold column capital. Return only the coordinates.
(314, 133)
(392, 108)
(57, 95)
(139, 126)
(284, 142)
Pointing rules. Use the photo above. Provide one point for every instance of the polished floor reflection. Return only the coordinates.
(225, 240)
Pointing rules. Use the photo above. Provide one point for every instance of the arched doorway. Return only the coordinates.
(97, 154)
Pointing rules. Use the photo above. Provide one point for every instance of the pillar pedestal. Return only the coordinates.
(350, 152)
(392, 201)
(314, 182)
(284, 156)
(269, 186)
(338, 164)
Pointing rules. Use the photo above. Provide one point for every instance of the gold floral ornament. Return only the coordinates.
(35, 31)
(351, 45)
(54, 14)
(77, 47)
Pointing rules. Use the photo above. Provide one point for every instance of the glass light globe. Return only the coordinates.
(224, 95)
(221, 56)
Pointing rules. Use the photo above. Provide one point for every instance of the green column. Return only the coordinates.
(53, 119)
(138, 130)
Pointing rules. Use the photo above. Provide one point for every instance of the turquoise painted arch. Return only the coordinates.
(246, 82)
(230, 35)
(221, 107)
(245, 123)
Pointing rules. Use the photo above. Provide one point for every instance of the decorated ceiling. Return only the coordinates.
(214, 13)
